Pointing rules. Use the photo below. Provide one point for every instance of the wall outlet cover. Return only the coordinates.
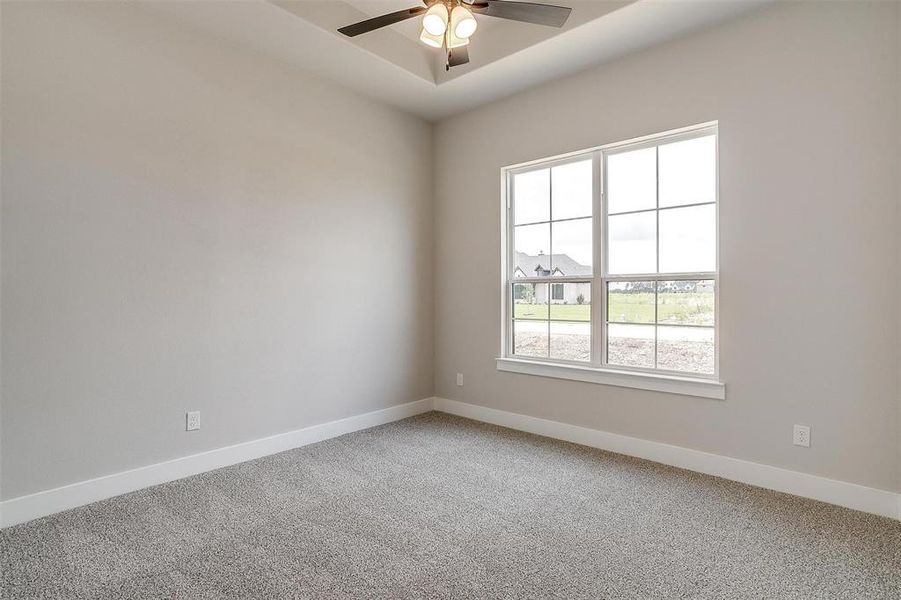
(192, 421)
(460, 379)
(801, 436)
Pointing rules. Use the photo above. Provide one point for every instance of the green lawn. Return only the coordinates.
(562, 312)
(675, 308)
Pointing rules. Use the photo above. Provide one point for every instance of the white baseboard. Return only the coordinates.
(40, 504)
(850, 495)
(33, 506)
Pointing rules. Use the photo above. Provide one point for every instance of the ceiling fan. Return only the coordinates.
(450, 23)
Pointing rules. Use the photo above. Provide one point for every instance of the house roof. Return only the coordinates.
(528, 264)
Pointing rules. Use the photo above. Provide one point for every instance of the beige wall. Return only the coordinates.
(171, 205)
(806, 96)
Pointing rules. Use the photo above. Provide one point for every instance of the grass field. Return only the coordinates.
(675, 308)
(561, 312)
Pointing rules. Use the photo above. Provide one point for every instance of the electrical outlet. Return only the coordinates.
(192, 421)
(801, 436)
(460, 379)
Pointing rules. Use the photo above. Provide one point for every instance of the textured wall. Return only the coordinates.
(187, 226)
(806, 95)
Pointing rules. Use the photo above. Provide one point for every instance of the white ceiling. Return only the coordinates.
(391, 64)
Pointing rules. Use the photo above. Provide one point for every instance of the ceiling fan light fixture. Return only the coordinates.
(435, 19)
(462, 23)
(435, 41)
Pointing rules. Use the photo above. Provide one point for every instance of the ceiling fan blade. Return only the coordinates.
(382, 21)
(527, 12)
(457, 56)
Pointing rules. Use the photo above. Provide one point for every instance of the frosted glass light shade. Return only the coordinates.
(435, 19)
(455, 42)
(435, 41)
(463, 24)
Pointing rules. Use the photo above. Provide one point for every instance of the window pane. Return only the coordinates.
(685, 302)
(571, 190)
(530, 338)
(630, 345)
(632, 180)
(630, 301)
(571, 341)
(532, 244)
(572, 247)
(688, 349)
(574, 303)
(632, 243)
(688, 239)
(530, 301)
(688, 172)
(532, 197)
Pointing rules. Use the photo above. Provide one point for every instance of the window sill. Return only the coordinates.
(687, 386)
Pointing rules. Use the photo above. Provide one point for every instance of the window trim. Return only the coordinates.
(597, 370)
(642, 380)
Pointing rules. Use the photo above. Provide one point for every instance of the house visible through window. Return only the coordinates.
(633, 224)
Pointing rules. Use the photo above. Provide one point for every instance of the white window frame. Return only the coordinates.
(597, 370)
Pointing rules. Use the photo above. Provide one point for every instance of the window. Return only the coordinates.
(557, 291)
(552, 230)
(632, 226)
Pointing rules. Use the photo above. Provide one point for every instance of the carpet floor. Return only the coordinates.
(441, 507)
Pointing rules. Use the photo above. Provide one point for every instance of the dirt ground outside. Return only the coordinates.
(682, 355)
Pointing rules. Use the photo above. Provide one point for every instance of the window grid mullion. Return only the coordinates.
(550, 226)
(579, 218)
(664, 276)
(656, 243)
(599, 252)
(549, 290)
(645, 210)
(689, 325)
(575, 279)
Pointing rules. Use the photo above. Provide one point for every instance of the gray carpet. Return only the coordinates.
(441, 507)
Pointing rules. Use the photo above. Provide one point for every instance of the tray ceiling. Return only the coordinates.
(392, 65)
